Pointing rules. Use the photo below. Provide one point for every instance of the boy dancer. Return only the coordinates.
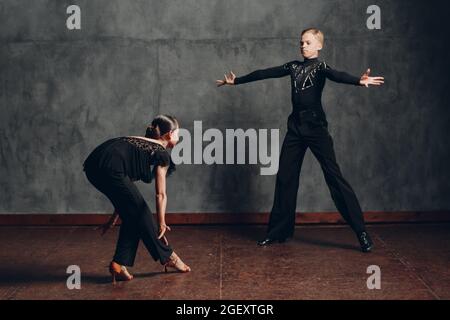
(308, 128)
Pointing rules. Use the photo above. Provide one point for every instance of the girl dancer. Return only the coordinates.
(112, 167)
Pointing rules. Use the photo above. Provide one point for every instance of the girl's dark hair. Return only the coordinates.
(160, 126)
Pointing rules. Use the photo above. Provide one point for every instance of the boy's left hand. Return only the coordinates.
(366, 80)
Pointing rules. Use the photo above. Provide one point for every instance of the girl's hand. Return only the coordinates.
(366, 80)
(162, 230)
(228, 79)
(105, 227)
(111, 223)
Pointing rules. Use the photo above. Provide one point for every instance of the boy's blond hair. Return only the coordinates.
(316, 33)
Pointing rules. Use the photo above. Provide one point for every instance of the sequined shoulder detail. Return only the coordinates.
(144, 145)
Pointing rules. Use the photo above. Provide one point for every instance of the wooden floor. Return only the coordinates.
(321, 262)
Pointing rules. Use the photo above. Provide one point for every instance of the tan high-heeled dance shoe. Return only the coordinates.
(176, 263)
(119, 272)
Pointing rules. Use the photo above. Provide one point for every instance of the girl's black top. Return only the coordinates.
(134, 157)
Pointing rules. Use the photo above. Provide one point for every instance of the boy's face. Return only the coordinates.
(309, 46)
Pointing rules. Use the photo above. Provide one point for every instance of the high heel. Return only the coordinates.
(176, 263)
(119, 272)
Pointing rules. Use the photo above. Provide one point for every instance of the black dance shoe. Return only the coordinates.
(268, 241)
(365, 242)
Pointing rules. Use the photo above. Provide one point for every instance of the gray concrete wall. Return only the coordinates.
(63, 92)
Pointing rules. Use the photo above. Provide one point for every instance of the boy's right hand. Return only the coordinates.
(228, 79)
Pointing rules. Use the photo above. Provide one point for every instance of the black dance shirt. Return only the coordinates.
(307, 81)
(130, 156)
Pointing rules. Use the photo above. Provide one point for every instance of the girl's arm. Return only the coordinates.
(161, 199)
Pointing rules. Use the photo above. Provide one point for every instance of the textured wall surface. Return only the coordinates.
(63, 92)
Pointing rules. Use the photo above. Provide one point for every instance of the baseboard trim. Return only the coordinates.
(54, 219)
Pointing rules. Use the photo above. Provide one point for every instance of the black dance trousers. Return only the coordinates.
(137, 220)
(300, 136)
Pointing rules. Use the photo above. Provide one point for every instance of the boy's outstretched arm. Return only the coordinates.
(344, 77)
(275, 72)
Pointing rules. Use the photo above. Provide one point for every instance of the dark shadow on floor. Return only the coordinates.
(19, 274)
(11, 275)
(257, 233)
(324, 243)
(245, 232)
